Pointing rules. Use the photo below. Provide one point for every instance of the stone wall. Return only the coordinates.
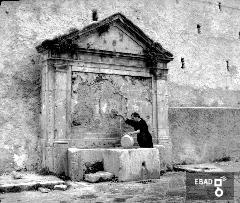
(204, 134)
(19, 117)
(205, 81)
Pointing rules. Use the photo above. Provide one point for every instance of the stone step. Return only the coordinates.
(98, 177)
(28, 181)
(206, 167)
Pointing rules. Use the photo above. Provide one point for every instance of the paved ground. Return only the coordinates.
(170, 188)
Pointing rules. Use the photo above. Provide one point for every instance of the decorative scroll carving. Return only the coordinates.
(151, 54)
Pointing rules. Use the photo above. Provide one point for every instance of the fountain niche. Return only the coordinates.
(86, 73)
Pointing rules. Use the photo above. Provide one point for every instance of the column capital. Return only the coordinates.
(160, 71)
(161, 74)
(61, 67)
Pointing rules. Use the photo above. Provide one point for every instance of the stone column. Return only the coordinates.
(56, 124)
(62, 127)
(164, 139)
(162, 103)
(47, 116)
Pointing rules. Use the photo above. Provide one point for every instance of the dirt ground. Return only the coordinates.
(170, 188)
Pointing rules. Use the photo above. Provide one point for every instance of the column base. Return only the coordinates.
(165, 152)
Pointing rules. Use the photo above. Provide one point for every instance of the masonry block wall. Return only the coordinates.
(207, 79)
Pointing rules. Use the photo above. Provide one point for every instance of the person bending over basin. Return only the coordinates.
(140, 126)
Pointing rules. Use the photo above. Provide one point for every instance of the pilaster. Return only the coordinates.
(162, 102)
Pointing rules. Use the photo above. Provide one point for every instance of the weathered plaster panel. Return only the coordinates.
(95, 95)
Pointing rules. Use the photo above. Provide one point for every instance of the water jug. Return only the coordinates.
(127, 141)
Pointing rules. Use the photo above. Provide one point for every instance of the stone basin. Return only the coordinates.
(125, 164)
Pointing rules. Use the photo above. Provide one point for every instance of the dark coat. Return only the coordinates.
(144, 138)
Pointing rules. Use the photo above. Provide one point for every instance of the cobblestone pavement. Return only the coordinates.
(170, 188)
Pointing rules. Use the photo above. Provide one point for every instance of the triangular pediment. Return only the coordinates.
(113, 34)
(114, 39)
